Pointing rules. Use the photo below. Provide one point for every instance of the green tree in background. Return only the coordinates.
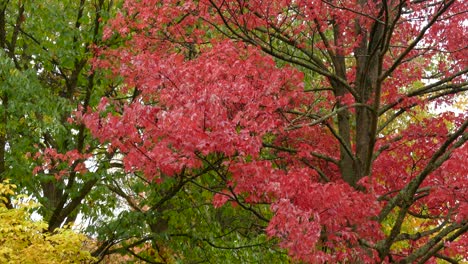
(45, 75)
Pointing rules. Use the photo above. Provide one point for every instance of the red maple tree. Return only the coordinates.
(324, 109)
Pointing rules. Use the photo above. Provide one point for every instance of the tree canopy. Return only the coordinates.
(205, 82)
(46, 76)
(225, 128)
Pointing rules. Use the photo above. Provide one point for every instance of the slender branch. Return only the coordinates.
(142, 258)
(117, 190)
(217, 246)
(342, 142)
(278, 54)
(396, 63)
(418, 235)
(248, 208)
(322, 175)
(446, 258)
(437, 242)
(440, 156)
(327, 116)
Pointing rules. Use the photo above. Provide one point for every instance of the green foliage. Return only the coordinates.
(183, 226)
(45, 74)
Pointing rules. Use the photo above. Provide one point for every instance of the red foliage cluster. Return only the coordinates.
(193, 92)
(61, 165)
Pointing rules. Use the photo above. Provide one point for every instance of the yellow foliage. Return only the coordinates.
(23, 240)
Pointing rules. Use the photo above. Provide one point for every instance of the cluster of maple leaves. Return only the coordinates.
(200, 82)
